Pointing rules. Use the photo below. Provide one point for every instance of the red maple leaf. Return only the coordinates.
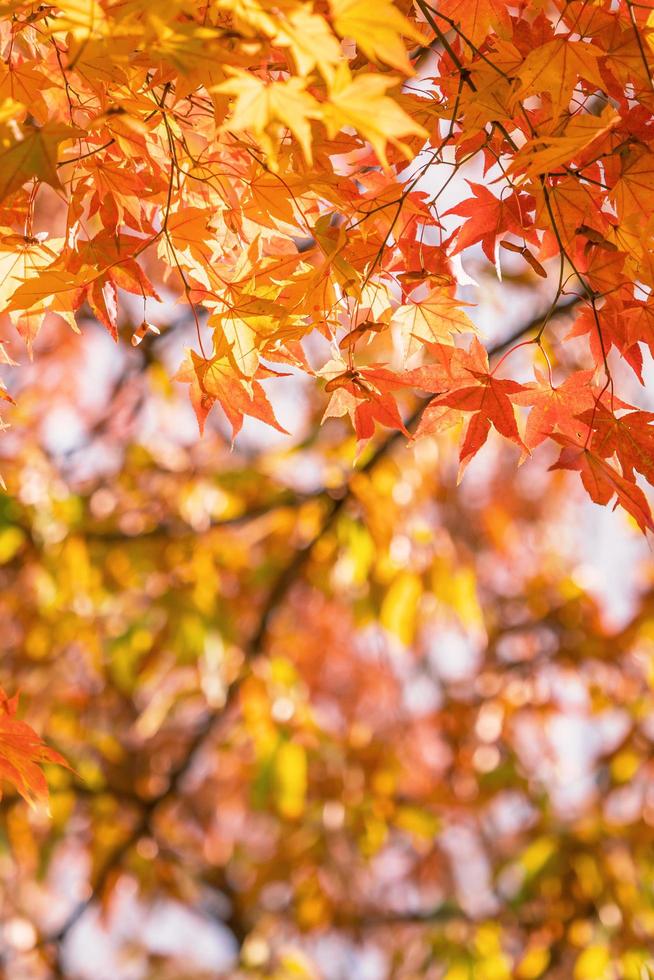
(472, 388)
(489, 216)
(602, 482)
(612, 326)
(630, 438)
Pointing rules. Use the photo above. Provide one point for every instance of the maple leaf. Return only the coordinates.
(489, 216)
(377, 29)
(52, 291)
(617, 328)
(602, 482)
(629, 437)
(22, 753)
(435, 318)
(262, 108)
(310, 40)
(34, 155)
(545, 153)
(603, 269)
(492, 404)
(435, 419)
(22, 259)
(638, 319)
(556, 407)
(632, 190)
(556, 67)
(212, 380)
(105, 264)
(23, 83)
(462, 383)
(377, 407)
(81, 18)
(365, 395)
(569, 205)
(447, 368)
(361, 102)
(475, 18)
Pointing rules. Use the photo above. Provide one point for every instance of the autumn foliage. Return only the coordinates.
(396, 234)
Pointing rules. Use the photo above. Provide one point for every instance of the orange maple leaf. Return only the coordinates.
(22, 753)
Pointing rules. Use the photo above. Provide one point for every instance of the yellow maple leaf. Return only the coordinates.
(542, 155)
(50, 291)
(377, 29)
(311, 42)
(361, 102)
(241, 341)
(250, 17)
(22, 259)
(33, 155)
(265, 110)
(189, 48)
(81, 18)
(434, 319)
(400, 606)
(290, 779)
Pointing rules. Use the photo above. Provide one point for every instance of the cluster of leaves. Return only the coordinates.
(279, 167)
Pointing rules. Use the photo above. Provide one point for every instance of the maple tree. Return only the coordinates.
(429, 220)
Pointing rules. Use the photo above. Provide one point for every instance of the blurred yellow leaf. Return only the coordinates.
(400, 605)
(419, 823)
(625, 766)
(11, 540)
(534, 963)
(593, 964)
(537, 854)
(290, 779)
